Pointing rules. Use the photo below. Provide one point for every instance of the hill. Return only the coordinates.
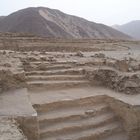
(54, 23)
(132, 28)
(2, 17)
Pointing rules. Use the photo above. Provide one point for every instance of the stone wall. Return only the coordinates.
(12, 75)
(29, 126)
(128, 83)
(9, 80)
(129, 114)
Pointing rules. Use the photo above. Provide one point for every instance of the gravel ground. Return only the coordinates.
(9, 130)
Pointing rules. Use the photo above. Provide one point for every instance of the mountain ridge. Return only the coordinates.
(131, 28)
(48, 22)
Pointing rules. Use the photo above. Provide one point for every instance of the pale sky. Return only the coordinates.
(108, 12)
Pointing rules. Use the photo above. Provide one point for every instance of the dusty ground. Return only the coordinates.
(9, 130)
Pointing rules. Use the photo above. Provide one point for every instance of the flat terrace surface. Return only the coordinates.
(16, 103)
(41, 97)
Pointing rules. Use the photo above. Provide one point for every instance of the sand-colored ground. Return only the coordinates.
(78, 95)
(9, 130)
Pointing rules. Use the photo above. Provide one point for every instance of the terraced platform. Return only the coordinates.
(68, 107)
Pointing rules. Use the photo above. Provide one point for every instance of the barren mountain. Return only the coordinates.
(1, 17)
(132, 28)
(54, 23)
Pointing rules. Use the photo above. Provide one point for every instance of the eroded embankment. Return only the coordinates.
(11, 72)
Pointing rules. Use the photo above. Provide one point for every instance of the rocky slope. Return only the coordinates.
(132, 28)
(1, 17)
(54, 23)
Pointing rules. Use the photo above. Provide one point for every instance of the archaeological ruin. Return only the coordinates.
(69, 89)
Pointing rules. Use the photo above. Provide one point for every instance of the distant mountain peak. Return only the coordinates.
(131, 28)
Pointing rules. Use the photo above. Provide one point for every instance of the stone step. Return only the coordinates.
(57, 67)
(46, 67)
(50, 123)
(85, 103)
(118, 136)
(76, 126)
(56, 72)
(72, 113)
(56, 84)
(88, 134)
(38, 62)
(55, 77)
(53, 63)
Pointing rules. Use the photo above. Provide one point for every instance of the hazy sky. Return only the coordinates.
(102, 11)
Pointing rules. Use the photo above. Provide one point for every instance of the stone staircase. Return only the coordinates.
(81, 119)
(84, 118)
(54, 76)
